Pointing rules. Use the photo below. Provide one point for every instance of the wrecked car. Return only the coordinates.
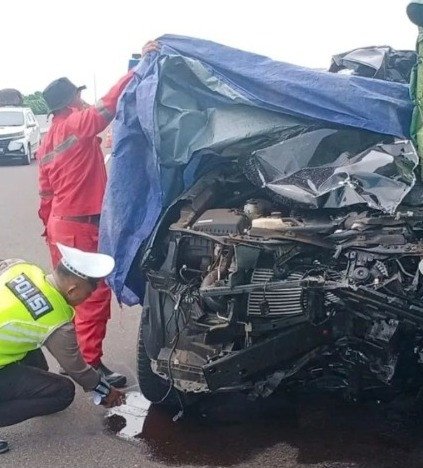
(256, 287)
(274, 237)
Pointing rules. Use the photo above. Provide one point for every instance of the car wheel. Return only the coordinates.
(153, 387)
(26, 159)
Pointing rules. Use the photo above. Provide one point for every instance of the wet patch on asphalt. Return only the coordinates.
(230, 430)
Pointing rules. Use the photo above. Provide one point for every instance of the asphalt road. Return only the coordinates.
(312, 433)
(74, 438)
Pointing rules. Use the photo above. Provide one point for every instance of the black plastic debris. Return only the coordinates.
(380, 62)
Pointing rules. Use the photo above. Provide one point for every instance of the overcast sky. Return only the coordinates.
(44, 39)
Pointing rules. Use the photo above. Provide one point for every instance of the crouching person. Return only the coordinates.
(37, 310)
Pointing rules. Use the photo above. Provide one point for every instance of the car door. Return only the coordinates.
(33, 130)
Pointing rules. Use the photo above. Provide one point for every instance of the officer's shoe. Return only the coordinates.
(4, 446)
(114, 379)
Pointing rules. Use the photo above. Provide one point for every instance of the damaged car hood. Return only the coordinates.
(197, 103)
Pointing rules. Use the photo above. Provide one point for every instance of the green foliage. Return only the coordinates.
(36, 103)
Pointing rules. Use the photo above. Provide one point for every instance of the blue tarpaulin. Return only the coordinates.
(196, 96)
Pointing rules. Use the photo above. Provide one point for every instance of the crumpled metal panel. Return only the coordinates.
(312, 170)
(380, 62)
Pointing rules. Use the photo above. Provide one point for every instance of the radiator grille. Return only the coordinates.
(279, 301)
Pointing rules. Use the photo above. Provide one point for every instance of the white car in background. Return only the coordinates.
(20, 134)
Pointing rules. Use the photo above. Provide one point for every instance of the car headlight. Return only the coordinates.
(17, 145)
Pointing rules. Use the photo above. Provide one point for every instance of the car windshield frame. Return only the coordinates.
(12, 118)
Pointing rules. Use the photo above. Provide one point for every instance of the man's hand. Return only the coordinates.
(114, 398)
(151, 46)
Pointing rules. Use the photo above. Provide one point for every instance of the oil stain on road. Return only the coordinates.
(230, 431)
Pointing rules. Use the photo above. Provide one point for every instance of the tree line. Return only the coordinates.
(36, 102)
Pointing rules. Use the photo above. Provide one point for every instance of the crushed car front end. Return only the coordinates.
(254, 286)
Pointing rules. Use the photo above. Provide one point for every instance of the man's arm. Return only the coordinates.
(46, 196)
(63, 345)
(91, 121)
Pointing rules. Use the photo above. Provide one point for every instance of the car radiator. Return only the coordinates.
(276, 302)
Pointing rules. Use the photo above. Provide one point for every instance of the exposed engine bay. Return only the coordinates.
(247, 291)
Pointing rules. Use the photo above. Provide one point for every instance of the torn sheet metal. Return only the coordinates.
(298, 171)
(380, 62)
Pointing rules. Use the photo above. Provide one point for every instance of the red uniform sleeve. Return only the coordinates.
(46, 196)
(93, 120)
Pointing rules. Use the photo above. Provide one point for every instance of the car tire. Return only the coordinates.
(26, 159)
(153, 387)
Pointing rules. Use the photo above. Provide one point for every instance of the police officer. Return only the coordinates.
(37, 310)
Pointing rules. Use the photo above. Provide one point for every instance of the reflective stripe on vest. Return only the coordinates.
(30, 310)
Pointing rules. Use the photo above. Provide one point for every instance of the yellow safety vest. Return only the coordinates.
(30, 310)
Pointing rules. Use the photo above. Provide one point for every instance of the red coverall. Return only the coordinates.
(72, 180)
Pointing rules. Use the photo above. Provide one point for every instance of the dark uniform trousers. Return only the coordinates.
(27, 390)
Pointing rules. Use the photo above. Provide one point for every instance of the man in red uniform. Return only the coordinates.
(72, 181)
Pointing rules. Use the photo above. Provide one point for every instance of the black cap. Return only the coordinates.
(415, 12)
(60, 93)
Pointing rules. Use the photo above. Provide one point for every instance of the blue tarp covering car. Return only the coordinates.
(197, 102)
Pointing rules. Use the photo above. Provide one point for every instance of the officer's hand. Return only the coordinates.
(114, 398)
(151, 46)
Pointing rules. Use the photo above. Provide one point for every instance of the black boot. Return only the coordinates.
(114, 379)
(4, 446)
